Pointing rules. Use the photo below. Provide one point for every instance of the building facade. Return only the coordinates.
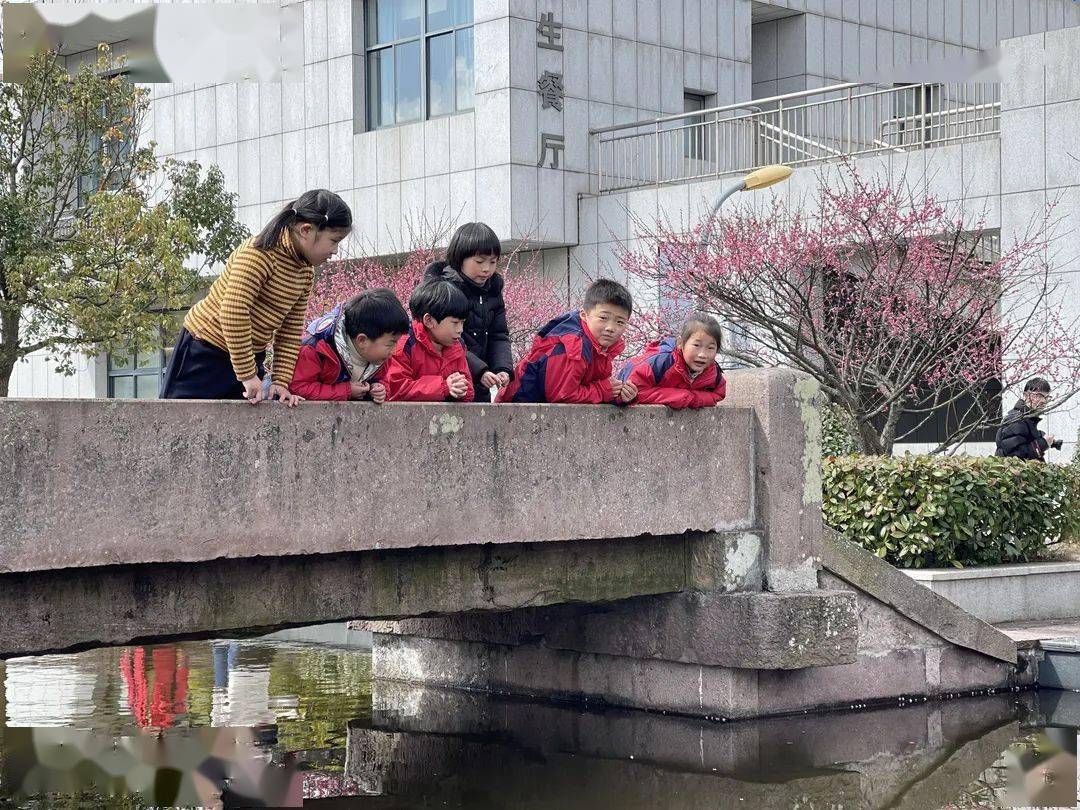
(424, 114)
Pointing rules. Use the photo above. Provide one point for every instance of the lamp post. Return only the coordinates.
(760, 178)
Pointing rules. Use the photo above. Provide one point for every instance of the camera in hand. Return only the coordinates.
(1056, 443)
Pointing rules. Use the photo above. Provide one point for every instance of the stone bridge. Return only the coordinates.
(638, 556)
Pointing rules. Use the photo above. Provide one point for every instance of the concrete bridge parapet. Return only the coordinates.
(119, 513)
(91, 482)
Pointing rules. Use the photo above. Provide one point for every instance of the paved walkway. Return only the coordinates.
(1039, 631)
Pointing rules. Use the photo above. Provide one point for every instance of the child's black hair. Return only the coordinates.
(1037, 385)
(440, 299)
(319, 207)
(700, 322)
(606, 291)
(375, 313)
(472, 239)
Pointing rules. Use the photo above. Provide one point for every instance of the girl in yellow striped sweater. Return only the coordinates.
(262, 296)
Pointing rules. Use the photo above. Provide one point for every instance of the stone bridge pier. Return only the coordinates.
(642, 557)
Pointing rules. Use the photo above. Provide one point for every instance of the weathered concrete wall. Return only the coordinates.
(97, 483)
(54, 610)
(729, 655)
(787, 481)
(873, 576)
(747, 630)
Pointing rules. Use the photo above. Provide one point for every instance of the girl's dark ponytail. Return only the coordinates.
(318, 207)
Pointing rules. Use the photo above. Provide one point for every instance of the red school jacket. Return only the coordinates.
(320, 374)
(417, 372)
(662, 378)
(565, 364)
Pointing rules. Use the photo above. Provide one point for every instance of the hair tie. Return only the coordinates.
(293, 211)
(326, 217)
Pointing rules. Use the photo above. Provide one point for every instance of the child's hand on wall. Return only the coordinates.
(616, 388)
(628, 392)
(284, 394)
(457, 385)
(253, 390)
(358, 390)
(378, 393)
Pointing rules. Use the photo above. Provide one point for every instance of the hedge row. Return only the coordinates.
(927, 511)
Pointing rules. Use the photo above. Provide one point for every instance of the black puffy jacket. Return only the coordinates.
(486, 335)
(1019, 437)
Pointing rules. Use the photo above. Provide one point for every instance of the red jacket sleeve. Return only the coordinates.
(307, 375)
(672, 397)
(649, 393)
(403, 384)
(711, 397)
(564, 380)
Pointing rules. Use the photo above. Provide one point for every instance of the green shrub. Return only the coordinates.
(835, 438)
(929, 511)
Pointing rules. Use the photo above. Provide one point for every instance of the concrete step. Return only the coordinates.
(1060, 666)
(1057, 644)
(772, 631)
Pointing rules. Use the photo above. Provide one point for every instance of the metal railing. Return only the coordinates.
(794, 129)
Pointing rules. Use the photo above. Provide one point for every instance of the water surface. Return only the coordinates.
(284, 723)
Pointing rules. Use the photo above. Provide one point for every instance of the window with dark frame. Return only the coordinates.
(957, 404)
(419, 59)
(696, 134)
(137, 373)
(914, 111)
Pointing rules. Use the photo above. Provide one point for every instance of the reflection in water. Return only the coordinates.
(170, 685)
(454, 749)
(181, 724)
(236, 723)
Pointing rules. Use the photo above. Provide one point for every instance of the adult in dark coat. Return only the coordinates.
(1019, 435)
(471, 265)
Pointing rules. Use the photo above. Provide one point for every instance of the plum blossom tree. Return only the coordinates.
(900, 306)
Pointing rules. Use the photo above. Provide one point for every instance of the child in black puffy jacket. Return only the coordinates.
(471, 264)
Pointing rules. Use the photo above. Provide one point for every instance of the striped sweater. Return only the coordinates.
(261, 296)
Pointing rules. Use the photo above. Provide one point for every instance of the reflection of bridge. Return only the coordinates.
(436, 746)
(648, 558)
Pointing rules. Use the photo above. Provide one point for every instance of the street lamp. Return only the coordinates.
(761, 178)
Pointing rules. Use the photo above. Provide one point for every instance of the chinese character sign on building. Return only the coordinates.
(550, 88)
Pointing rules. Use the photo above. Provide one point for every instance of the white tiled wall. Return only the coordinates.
(36, 376)
(1040, 167)
(855, 40)
(623, 60)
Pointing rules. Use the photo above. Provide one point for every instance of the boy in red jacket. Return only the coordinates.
(570, 359)
(429, 363)
(343, 353)
(680, 373)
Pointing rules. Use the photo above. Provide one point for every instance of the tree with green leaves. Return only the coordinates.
(99, 240)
